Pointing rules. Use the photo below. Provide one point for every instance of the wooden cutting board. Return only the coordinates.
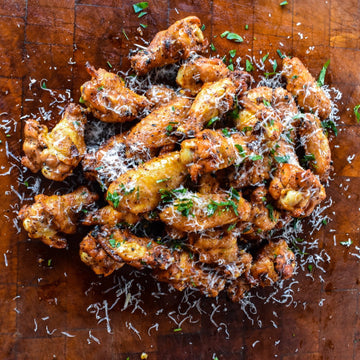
(53, 306)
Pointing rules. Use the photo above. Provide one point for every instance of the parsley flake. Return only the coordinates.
(140, 6)
(321, 79)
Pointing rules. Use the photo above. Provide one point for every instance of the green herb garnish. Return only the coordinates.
(321, 79)
(140, 6)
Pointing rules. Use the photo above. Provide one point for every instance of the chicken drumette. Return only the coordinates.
(109, 99)
(57, 152)
(171, 45)
(51, 216)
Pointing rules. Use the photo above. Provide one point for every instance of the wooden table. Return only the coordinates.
(43, 289)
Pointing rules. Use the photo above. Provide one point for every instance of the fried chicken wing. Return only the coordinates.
(193, 212)
(196, 72)
(296, 190)
(51, 216)
(110, 217)
(137, 190)
(158, 128)
(172, 266)
(303, 86)
(58, 152)
(94, 256)
(258, 114)
(109, 99)
(214, 246)
(316, 146)
(160, 95)
(210, 151)
(108, 162)
(169, 46)
(213, 100)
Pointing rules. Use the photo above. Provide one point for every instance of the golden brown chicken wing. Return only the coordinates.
(160, 95)
(169, 46)
(94, 256)
(214, 246)
(296, 190)
(196, 72)
(137, 190)
(51, 216)
(109, 99)
(193, 212)
(303, 86)
(316, 145)
(213, 100)
(158, 128)
(109, 216)
(56, 153)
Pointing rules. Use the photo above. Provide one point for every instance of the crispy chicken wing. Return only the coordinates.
(94, 256)
(160, 95)
(303, 86)
(109, 99)
(196, 72)
(51, 216)
(171, 45)
(109, 216)
(137, 190)
(214, 246)
(210, 151)
(172, 266)
(213, 100)
(193, 212)
(158, 128)
(316, 145)
(56, 153)
(296, 190)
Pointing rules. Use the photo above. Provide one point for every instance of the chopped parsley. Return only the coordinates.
(249, 66)
(266, 103)
(231, 227)
(178, 329)
(357, 113)
(113, 243)
(265, 58)
(202, 27)
(271, 211)
(140, 6)
(330, 124)
(143, 26)
(114, 198)
(143, 13)
(231, 67)
(232, 36)
(247, 128)
(246, 27)
(255, 157)
(321, 79)
(26, 184)
(168, 195)
(240, 150)
(232, 53)
(310, 267)
(226, 133)
(346, 243)
(184, 206)
(43, 85)
(282, 159)
(212, 120)
(212, 47)
(108, 63)
(126, 37)
(162, 180)
(280, 54)
(284, 3)
(81, 100)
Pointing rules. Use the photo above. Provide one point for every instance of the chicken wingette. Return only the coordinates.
(196, 72)
(296, 190)
(213, 101)
(169, 265)
(109, 99)
(158, 128)
(169, 46)
(193, 212)
(58, 152)
(316, 146)
(137, 190)
(49, 217)
(300, 83)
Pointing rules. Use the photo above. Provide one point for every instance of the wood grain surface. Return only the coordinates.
(46, 294)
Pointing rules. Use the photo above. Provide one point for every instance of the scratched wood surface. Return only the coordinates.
(45, 294)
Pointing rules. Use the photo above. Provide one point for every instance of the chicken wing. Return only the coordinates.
(137, 190)
(109, 99)
(169, 46)
(296, 190)
(51, 216)
(303, 86)
(193, 212)
(160, 95)
(316, 145)
(158, 128)
(94, 256)
(56, 153)
(110, 217)
(214, 246)
(193, 74)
